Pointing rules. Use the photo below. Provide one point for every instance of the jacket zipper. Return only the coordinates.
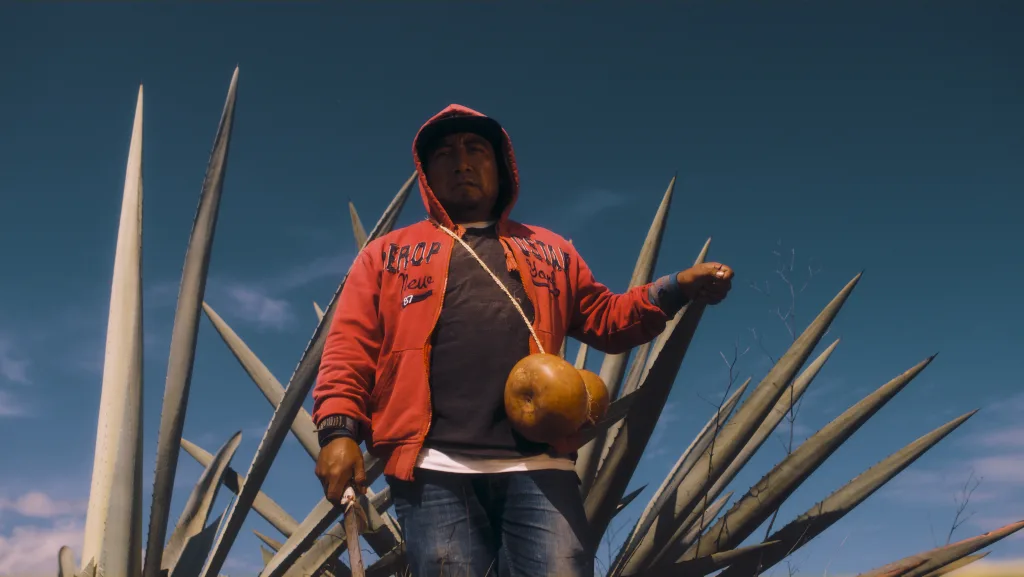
(430, 335)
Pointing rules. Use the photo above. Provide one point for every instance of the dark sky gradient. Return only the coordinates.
(881, 136)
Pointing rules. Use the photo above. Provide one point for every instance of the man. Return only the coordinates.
(423, 340)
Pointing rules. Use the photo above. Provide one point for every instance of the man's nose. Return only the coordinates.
(462, 163)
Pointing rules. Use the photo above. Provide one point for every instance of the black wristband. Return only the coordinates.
(336, 426)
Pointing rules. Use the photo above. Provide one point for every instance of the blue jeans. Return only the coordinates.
(529, 524)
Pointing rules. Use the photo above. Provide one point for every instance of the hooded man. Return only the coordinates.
(423, 340)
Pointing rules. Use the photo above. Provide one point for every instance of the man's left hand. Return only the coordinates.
(707, 283)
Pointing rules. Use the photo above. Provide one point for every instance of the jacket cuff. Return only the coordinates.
(666, 294)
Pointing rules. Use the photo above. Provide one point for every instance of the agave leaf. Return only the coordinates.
(616, 412)
(782, 407)
(708, 563)
(266, 554)
(382, 501)
(640, 367)
(708, 515)
(658, 519)
(302, 427)
(357, 226)
(183, 336)
(393, 563)
(264, 505)
(824, 514)
(190, 562)
(629, 499)
(757, 505)
(684, 506)
(628, 440)
(319, 311)
(89, 570)
(272, 543)
(959, 564)
(113, 526)
(323, 552)
(942, 556)
(66, 562)
(197, 510)
(634, 433)
(614, 366)
(581, 357)
(323, 515)
(738, 431)
(297, 391)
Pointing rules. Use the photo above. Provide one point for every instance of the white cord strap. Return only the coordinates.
(515, 303)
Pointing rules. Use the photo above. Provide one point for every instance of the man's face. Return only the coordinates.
(462, 171)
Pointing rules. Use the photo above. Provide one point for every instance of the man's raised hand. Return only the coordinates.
(707, 283)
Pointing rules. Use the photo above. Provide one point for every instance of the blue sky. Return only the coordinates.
(874, 136)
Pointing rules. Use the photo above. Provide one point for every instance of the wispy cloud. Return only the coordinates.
(261, 301)
(13, 366)
(31, 550)
(39, 505)
(254, 305)
(1008, 437)
(10, 406)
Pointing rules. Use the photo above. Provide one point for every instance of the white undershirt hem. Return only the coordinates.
(435, 460)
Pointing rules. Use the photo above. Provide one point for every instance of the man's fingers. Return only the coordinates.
(359, 475)
(335, 490)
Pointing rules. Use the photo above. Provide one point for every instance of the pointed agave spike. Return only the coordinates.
(629, 499)
(928, 561)
(659, 518)
(297, 391)
(184, 333)
(264, 505)
(321, 554)
(266, 554)
(708, 563)
(197, 510)
(959, 564)
(66, 562)
(581, 357)
(738, 431)
(197, 547)
(639, 368)
(790, 397)
(272, 543)
(323, 515)
(942, 556)
(113, 536)
(824, 514)
(614, 366)
(632, 435)
(616, 412)
(302, 427)
(757, 505)
(319, 311)
(89, 570)
(357, 226)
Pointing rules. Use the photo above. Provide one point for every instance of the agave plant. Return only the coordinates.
(685, 529)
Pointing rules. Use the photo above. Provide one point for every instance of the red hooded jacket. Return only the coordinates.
(376, 361)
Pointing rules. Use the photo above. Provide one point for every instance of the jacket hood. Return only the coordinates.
(458, 118)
